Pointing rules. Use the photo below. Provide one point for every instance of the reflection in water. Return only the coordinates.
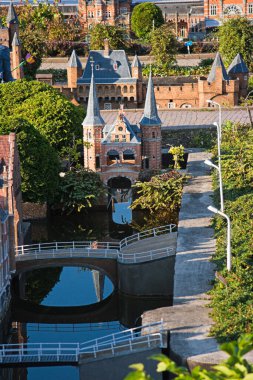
(74, 287)
(121, 201)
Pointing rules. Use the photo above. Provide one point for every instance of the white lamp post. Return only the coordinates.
(229, 258)
(218, 105)
(218, 168)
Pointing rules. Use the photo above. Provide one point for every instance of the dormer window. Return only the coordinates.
(115, 66)
(97, 67)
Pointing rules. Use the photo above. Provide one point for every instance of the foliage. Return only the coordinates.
(164, 46)
(164, 71)
(115, 36)
(39, 163)
(80, 189)
(235, 367)
(162, 192)
(236, 36)
(55, 117)
(178, 155)
(232, 304)
(144, 17)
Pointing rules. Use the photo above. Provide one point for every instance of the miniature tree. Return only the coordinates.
(178, 155)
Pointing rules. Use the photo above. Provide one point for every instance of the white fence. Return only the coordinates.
(148, 234)
(126, 340)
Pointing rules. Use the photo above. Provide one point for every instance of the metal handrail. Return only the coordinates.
(147, 234)
(69, 245)
(71, 351)
(138, 257)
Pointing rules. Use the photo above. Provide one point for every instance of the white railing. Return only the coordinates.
(147, 234)
(140, 257)
(68, 247)
(153, 335)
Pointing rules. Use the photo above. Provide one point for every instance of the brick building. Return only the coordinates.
(119, 83)
(10, 47)
(108, 12)
(121, 149)
(11, 231)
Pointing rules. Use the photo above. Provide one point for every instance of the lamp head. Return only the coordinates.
(208, 162)
(209, 101)
(213, 209)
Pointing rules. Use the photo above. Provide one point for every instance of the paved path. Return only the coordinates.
(188, 320)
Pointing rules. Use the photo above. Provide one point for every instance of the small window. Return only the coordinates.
(250, 8)
(115, 66)
(171, 105)
(108, 106)
(123, 11)
(213, 10)
(123, 136)
(153, 135)
(120, 129)
(97, 67)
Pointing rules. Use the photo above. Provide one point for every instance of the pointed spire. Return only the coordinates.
(11, 17)
(217, 63)
(238, 66)
(150, 115)
(15, 41)
(74, 60)
(93, 117)
(136, 62)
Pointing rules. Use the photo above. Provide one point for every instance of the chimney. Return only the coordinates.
(106, 47)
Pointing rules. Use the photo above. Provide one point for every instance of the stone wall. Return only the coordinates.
(34, 210)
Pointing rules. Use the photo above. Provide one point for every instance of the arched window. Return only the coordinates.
(131, 88)
(112, 157)
(125, 89)
(128, 155)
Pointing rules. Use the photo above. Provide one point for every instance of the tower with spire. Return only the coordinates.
(16, 58)
(136, 69)
(150, 125)
(93, 125)
(74, 70)
(239, 70)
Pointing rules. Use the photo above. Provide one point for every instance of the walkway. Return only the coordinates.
(188, 320)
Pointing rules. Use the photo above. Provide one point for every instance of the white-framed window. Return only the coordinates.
(90, 14)
(108, 106)
(171, 105)
(115, 66)
(98, 13)
(108, 14)
(97, 67)
(186, 105)
(213, 10)
(123, 11)
(250, 8)
(182, 32)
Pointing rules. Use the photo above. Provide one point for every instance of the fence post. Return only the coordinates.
(39, 248)
(170, 229)
(138, 236)
(22, 248)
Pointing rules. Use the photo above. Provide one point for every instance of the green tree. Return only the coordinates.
(144, 17)
(164, 46)
(54, 116)
(236, 36)
(39, 164)
(80, 189)
(100, 32)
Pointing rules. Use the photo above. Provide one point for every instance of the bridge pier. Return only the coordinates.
(151, 278)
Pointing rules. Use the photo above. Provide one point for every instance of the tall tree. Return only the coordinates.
(100, 32)
(236, 36)
(145, 17)
(164, 46)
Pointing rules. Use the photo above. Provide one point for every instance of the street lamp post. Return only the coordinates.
(249, 113)
(218, 168)
(229, 257)
(218, 105)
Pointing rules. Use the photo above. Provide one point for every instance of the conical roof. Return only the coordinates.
(150, 115)
(93, 117)
(15, 41)
(238, 66)
(74, 60)
(136, 62)
(11, 15)
(217, 63)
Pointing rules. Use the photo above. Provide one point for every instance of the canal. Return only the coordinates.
(64, 291)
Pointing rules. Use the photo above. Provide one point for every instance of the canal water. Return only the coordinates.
(66, 287)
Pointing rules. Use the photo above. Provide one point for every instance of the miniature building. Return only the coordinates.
(110, 12)
(10, 46)
(121, 149)
(11, 232)
(117, 83)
